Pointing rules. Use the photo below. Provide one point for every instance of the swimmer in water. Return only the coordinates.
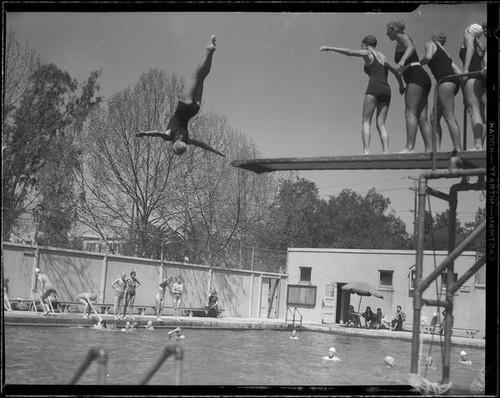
(178, 334)
(294, 335)
(389, 361)
(187, 107)
(127, 328)
(331, 355)
(101, 324)
(149, 326)
(463, 359)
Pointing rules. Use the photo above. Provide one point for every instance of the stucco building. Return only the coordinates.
(316, 277)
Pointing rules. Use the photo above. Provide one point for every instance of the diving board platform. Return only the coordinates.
(393, 161)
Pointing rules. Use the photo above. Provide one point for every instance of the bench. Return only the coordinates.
(199, 312)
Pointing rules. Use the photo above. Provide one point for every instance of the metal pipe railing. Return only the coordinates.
(436, 103)
(102, 358)
(169, 350)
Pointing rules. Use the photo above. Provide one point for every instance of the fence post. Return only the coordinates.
(104, 273)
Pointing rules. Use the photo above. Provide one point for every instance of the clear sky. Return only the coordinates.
(268, 77)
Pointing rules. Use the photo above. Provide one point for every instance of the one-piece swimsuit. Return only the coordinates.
(476, 62)
(440, 66)
(378, 85)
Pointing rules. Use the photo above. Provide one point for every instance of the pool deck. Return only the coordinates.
(31, 318)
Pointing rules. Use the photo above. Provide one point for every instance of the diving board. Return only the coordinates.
(393, 161)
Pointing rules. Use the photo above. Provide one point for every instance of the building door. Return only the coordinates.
(343, 302)
(269, 299)
(328, 304)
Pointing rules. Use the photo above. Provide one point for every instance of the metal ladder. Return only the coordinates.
(101, 355)
(295, 311)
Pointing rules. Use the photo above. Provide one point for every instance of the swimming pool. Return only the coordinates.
(51, 355)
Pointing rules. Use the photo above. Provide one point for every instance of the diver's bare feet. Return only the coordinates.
(213, 43)
(406, 151)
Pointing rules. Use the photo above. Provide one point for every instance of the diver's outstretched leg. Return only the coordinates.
(195, 89)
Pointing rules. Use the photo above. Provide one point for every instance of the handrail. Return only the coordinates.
(173, 349)
(436, 103)
(295, 310)
(102, 358)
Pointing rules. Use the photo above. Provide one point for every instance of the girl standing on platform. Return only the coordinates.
(418, 86)
(440, 63)
(378, 92)
(473, 55)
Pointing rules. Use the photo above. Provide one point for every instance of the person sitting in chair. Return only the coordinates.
(370, 317)
(353, 318)
(213, 305)
(399, 318)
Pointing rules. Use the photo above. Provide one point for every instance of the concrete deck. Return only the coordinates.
(30, 318)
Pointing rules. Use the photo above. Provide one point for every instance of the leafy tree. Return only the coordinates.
(358, 222)
(41, 153)
(436, 231)
(295, 219)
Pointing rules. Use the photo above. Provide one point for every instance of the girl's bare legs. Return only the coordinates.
(423, 122)
(416, 116)
(194, 90)
(436, 120)
(446, 96)
(369, 106)
(382, 111)
(472, 94)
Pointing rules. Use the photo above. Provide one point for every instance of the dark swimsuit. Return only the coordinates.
(475, 62)
(182, 114)
(414, 74)
(440, 66)
(377, 85)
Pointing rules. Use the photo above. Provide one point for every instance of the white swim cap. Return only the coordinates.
(389, 360)
(37, 270)
(475, 29)
(462, 353)
(332, 349)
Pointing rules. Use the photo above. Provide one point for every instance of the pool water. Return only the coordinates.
(51, 355)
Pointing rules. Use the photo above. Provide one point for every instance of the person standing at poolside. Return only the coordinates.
(188, 106)
(473, 55)
(160, 296)
(441, 65)
(418, 86)
(132, 285)
(119, 286)
(378, 92)
(177, 289)
(47, 289)
(6, 300)
(86, 299)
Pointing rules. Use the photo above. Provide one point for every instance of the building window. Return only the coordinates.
(301, 296)
(305, 274)
(386, 278)
(412, 279)
(444, 278)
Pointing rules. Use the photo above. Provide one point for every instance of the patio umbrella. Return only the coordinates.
(362, 289)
